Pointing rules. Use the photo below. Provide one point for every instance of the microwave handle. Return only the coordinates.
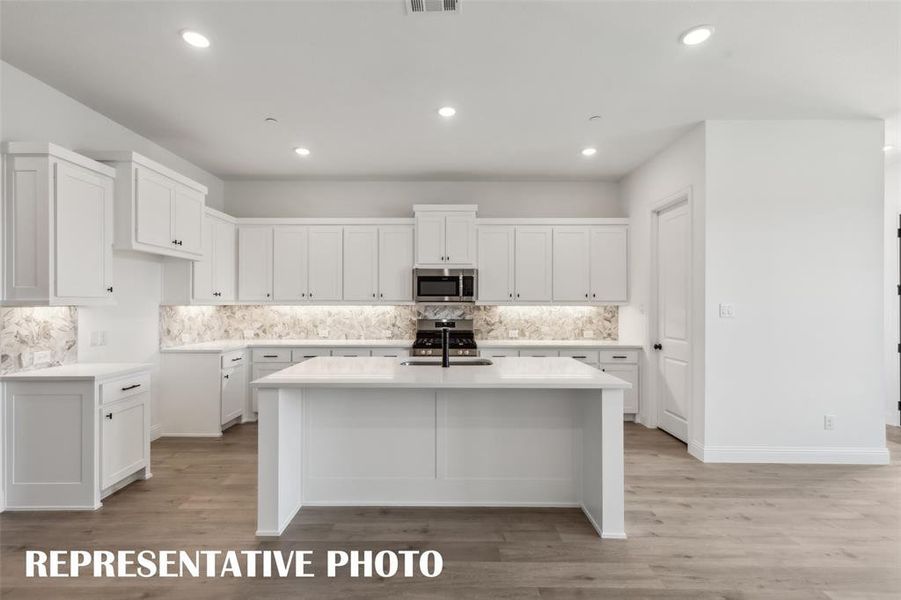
(461, 287)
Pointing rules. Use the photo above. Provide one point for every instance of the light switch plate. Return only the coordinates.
(323, 332)
(727, 311)
(98, 338)
(588, 333)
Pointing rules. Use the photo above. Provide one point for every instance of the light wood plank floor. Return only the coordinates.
(696, 531)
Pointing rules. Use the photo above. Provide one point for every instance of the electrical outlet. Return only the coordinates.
(248, 334)
(727, 311)
(98, 338)
(386, 334)
(513, 333)
(828, 422)
(323, 332)
(588, 333)
(42, 357)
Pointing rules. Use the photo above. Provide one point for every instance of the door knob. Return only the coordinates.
(658, 346)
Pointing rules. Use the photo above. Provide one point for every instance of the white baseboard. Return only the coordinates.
(156, 432)
(789, 455)
(197, 435)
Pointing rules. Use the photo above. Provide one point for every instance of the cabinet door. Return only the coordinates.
(289, 274)
(234, 385)
(533, 264)
(609, 264)
(202, 270)
(571, 254)
(260, 371)
(254, 264)
(430, 239)
(496, 247)
(83, 251)
(396, 264)
(223, 263)
(154, 206)
(123, 441)
(361, 263)
(326, 263)
(188, 225)
(459, 239)
(628, 373)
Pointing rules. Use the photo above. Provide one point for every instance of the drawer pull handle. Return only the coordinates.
(236, 359)
(309, 356)
(580, 357)
(615, 356)
(270, 356)
(131, 387)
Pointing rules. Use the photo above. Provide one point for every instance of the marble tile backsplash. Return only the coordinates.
(27, 330)
(189, 324)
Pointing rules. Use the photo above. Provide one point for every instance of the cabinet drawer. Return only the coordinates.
(499, 353)
(302, 354)
(589, 357)
(233, 359)
(261, 355)
(351, 352)
(619, 356)
(391, 352)
(124, 387)
(539, 352)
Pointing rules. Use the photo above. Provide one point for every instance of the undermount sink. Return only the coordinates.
(425, 362)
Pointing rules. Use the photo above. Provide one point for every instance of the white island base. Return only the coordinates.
(370, 432)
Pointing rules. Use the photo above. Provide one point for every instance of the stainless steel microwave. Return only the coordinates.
(444, 285)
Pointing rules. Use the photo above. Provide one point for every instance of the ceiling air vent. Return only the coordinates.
(421, 7)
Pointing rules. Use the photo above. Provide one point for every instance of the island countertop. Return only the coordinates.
(388, 372)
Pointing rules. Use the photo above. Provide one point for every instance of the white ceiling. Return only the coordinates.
(359, 82)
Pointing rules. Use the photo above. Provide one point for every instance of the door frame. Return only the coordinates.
(652, 417)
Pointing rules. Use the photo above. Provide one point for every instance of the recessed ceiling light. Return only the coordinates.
(697, 35)
(888, 148)
(589, 151)
(198, 40)
(447, 111)
(302, 151)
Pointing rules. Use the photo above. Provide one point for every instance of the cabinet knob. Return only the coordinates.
(517, 295)
(226, 376)
(594, 295)
(511, 294)
(303, 295)
(586, 295)
(373, 294)
(109, 289)
(179, 242)
(268, 295)
(658, 346)
(174, 242)
(381, 295)
(109, 416)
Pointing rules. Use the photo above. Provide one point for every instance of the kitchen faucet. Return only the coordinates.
(445, 347)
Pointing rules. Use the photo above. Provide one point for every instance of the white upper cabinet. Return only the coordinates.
(571, 258)
(361, 263)
(445, 235)
(326, 263)
(289, 271)
(396, 263)
(58, 227)
(534, 247)
(254, 263)
(210, 280)
(157, 209)
(610, 264)
(496, 259)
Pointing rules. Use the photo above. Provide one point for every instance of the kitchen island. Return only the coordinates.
(376, 432)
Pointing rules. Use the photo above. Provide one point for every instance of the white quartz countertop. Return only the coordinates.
(218, 346)
(79, 371)
(386, 372)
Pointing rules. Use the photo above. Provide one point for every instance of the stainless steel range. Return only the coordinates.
(461, 340)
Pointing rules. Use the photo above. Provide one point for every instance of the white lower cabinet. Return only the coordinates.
(124, 437)
(202, 393)
(86, 428)
(628, 373)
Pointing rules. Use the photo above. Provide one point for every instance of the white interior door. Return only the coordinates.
(289, 271)
(673, 323)
(361, 263)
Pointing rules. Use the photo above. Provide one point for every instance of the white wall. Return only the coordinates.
(890, 350)
(794, 217)
(677, 168)
(396, 198)
(32, 111)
